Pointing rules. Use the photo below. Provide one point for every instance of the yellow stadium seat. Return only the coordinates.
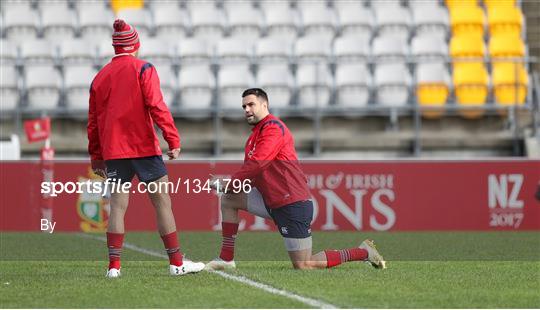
(510, 82)
(506, 45)
(467, 20)
(118, 5)
(454, 3)
(466, 45)
(505, 19)
(471, 87)
(432, 95)
(493, 3)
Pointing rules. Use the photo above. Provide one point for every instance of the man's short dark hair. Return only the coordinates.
(258, 92)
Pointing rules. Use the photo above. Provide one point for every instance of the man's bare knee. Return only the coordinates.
(302, 265)
(231, 201)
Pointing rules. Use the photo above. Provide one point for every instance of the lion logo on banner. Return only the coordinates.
(93, 208)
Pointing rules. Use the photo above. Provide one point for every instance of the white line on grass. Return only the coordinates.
(242, 279)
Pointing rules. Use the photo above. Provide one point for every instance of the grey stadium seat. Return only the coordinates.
(389, 48)
(78, 51)
(157, 51)
(432, 19)
(394, 20)
(248, 29)
(20, 24)
(232, 81)
(95, 23)
(353, 82)
(278, 82)
(9, 87)
(197, 84)
(392, 82)
(8, 50)
(357, 20)
(429, 47)
(77, 81)
(43, 85)
(432, 73)
(234, 51)
(194, 51)
(58, 23)
(171, 23)
(38, 51)
(207, 23)
(282, 23)
(315, 84)
(105, 52)
(168, 83)
(319, 21)
(312, 49)
(273, 50)
(351, 48)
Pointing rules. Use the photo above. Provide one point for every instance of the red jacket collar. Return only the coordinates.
(262, 121)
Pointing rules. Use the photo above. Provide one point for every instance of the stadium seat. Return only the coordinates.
(432, 88)
(348, 4)
(20, 24)
(168, 83)
(432, 19)
(196, 84)
(319, 21)
(510, 83)
(232, 81)
(200, 4)
(353, 82)
(505, 19)
(237, 5)
(351, 49)
(7, 5)
(273, 50)
(471, 87)
(278, 82)
(395, 20)
(163, 4)
(467, 46)
(58, 23)
(494, 3)
(139, 18)
(281, 23)
(389, 48)
(467, 20)
(357, 20)
(92, 5)
(9, 87)
(171, 23)
(314, 85)
(77, 81)
(429, 47)
(312, 49)
(119, 5)
(506, 45)
(207, 23)
(77, 52)
(392, 82)
(95, 23)
(43, 85)
(451, 4)
(303, 5)
(9, 53)
(194, 51)
(157, 51)
(248, 29)
(266, 5)
(38, 51)
(105, 52)
(234, 51)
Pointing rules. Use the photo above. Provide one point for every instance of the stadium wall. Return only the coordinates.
(358, 195)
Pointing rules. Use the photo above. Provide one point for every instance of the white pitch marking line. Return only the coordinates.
(242, 279)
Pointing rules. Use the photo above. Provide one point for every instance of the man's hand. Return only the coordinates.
(100, 172)
(173, 154)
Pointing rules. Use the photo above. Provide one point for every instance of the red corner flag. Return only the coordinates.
(37, 129)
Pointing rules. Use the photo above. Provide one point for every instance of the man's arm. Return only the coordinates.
(94, 145)
(153, 99)
(268, 145)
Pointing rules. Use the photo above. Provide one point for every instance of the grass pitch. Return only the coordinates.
(425, 270)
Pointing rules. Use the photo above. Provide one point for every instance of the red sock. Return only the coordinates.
(337, 257)
(228, 232)
(114, 244)
(170, 241)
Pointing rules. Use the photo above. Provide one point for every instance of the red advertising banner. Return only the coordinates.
(37, 129)
(357, 195)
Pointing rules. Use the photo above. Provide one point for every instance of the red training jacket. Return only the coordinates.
(270, 162)
(125, 101)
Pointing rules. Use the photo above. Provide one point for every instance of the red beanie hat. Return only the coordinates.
(125, 38)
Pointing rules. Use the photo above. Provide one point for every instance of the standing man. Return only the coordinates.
(279, 192)
(125, 101)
